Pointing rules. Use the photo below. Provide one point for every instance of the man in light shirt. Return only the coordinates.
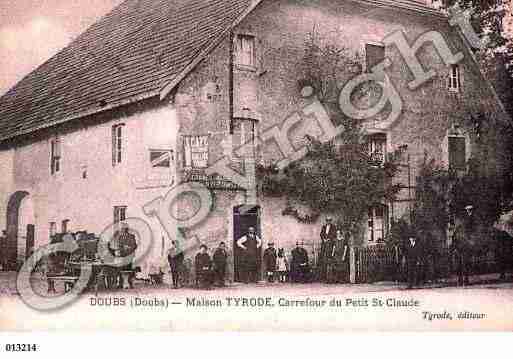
(250, 245)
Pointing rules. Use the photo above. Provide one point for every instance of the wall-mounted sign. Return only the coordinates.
(195, 151)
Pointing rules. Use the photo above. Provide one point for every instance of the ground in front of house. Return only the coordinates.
(484, 305)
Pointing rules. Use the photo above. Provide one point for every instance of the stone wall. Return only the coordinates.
(270, 90)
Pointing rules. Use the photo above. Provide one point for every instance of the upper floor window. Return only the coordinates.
(454, 82)
(376, 148)
(55, 156)
(457, 153)
(196, 151)
(374, 55)
(117, 144)
(245, 50)
(245, 133)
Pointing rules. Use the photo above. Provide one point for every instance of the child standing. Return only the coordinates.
(282, 266)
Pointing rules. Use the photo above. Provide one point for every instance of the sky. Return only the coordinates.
(31, 31)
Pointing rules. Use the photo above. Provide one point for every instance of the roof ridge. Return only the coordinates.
(117, 59)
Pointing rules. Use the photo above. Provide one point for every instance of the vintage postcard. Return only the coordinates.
(256, 165)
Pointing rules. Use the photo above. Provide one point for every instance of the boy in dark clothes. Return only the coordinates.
(203, 266)
(220, 259)
(270, 257)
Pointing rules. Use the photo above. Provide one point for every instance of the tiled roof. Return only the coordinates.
(130, 54)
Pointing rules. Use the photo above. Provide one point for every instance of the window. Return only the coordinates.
(65, 226)
(436, 4)
(377, 224)
(83, 170)
(374, 54)
(376, 148)
(212, 92)
(245, 50)
(119, 214)
(55, 156)
(196, 151)
(161, 158)
(117, 144)
(457, 153)
(53, 229)
(454, 79)
(243, 138)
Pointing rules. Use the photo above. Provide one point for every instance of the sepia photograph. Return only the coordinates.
(256, 166)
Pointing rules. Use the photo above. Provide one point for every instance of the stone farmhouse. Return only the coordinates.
(159, 93)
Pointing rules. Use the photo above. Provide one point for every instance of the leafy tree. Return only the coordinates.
(442, 195)
(431, 210)
(479, 190)
(490, 18)
(496, 59)
(487, 19)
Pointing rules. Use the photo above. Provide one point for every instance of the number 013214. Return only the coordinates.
(20, 347)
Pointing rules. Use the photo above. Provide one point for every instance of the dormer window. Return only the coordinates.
(245, 50)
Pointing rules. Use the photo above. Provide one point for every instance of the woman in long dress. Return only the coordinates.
(340, 258)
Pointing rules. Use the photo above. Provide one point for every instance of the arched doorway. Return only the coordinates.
(20, 241)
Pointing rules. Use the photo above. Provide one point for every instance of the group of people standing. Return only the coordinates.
(209, 271)
(275, 263)
(412, 253)
(277, 266)
(334, 254)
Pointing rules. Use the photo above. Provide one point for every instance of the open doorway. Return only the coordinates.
(20, 231)
(245, 217)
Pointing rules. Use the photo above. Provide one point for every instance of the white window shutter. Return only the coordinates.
(187, 152)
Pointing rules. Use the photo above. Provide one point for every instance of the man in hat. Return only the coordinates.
(463, 242)
(220, 260)
(299, 265)
(203, 266)
(270, 261)
(175, 257)
(250, 245)
(127, 245)
(328, 234)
